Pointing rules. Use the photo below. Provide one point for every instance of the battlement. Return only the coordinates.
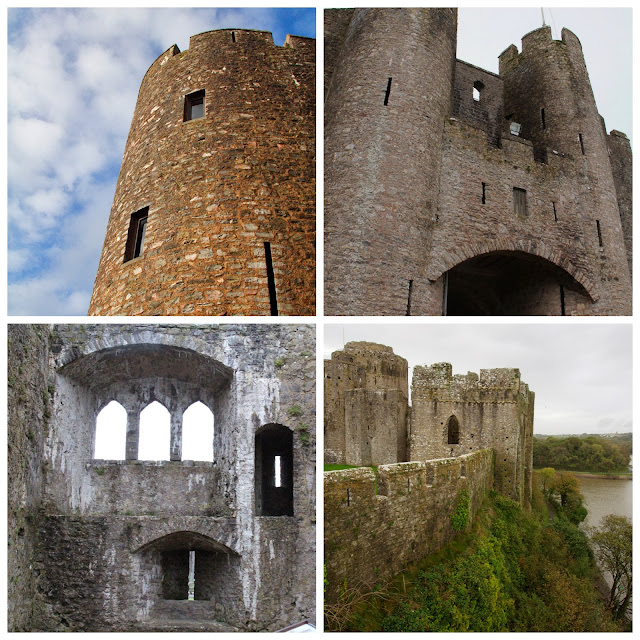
(512, 179)
(371, 534)
(440, 376)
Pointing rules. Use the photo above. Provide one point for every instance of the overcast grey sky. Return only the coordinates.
(580, 373)
(605, 35)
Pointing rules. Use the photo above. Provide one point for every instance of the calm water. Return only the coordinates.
(602, 497)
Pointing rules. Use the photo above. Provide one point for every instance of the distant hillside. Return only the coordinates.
(610, 453)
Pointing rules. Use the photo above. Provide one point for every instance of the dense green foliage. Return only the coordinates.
(460, 518)
(514, 571)
(614, 548)
(604, 455)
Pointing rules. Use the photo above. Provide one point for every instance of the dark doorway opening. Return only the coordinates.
(508, 283)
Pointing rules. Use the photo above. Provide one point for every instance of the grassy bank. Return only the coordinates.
(512, 571)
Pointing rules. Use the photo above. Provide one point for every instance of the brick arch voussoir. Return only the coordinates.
(537, 248)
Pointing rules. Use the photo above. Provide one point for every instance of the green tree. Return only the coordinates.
(566, 485)
(547, 478)
(613, 541)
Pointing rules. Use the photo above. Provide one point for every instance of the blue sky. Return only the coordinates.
(73, 79)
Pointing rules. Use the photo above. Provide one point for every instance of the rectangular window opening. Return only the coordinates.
(484, 193)
(409, 298)
(581, 143)
(544, 124)
(194, 106)
(386, 95)
(277, 477)
(555, 212)
(519, 201)
(233, 36)
(599, 233)
(271, 281)
(136, 234)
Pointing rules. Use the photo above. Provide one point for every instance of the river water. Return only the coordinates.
(603, 496)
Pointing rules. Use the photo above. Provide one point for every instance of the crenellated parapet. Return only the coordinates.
(214, 210)
(377, 525)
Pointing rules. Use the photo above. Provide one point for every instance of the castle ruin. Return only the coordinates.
(214, 210)
(461, 432)
(130, 544)
(450, 190)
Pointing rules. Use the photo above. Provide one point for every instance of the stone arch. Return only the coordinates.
(453, 430)
(274, 471)
(462, 253)
(190, 574)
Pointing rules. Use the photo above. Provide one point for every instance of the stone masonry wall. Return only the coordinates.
(365, 405)
(450, 240)
(29, 399)
(371, 535)
(105, 524)
(218, 187)
(493, 410)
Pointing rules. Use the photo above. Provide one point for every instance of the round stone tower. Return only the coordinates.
(214, 211)
(547, 90)
(386, 102)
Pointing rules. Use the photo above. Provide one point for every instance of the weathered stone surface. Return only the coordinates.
(419, 177)
(220, 186)
(371, 536)
(460, 432)
(95, 558)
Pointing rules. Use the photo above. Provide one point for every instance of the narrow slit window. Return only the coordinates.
(277, 478)
(555, 212)
(192, 576)
(135, 237)
(233, 36)
(543, 122)
(409, 298)
(271, 280)
(387, 92)
(562, 307)
(484, 193)
(194, 106)
(581, 143)
(599, 233)
(519, 201)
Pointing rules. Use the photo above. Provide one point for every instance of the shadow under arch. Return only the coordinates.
(190, 566)
(511, 283)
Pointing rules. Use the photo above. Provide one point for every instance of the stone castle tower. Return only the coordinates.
(450, 190)
(214, 211)
(368, 421)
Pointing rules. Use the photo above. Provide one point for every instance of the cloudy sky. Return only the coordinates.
(73, 79)
(581, 374)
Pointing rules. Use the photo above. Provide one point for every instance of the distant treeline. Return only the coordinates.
(592, 453)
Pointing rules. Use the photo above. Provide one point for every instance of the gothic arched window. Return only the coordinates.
(197, 433)
(111, 432)
(453, 431)
(155, 433)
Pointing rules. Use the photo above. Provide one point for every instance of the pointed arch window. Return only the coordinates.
(197, 433)
(155, 429)
(453, 431)
(111, 432)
